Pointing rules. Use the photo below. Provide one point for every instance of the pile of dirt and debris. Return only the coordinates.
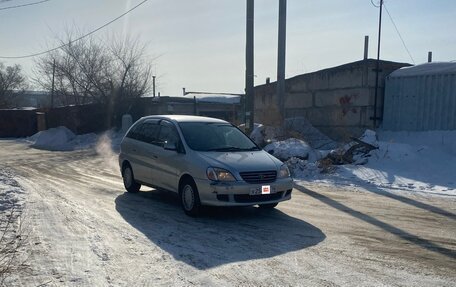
(355, 152)
(299, 155)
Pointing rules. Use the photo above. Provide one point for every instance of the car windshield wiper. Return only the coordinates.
(232, 148)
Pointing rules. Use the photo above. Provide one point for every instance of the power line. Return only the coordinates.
(400, 36)
(378, 6)
(23, 5)
(77, 39)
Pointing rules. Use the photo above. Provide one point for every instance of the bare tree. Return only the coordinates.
(91, 70)
(12, 81)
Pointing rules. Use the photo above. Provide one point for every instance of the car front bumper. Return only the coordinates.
(239, 193)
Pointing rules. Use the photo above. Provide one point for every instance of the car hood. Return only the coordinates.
(242, 161)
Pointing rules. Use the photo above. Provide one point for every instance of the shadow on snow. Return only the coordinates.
(220, 235)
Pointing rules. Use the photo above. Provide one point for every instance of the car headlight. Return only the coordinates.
(219, 174)
(284, 171)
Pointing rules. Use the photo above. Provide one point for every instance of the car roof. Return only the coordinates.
(185, 118)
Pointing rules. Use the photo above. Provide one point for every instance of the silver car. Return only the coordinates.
(206, 161)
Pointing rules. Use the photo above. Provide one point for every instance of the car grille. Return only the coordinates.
(245, 198)
(259, 176)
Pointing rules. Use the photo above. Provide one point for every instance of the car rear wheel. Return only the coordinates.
(268, 205)
(190, 198)
(129, 180)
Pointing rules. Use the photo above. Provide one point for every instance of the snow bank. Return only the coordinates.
(441, 140)
(53, 138)
(419, 163)
(61, 139)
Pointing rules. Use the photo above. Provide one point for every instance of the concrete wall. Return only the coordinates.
(339, 101)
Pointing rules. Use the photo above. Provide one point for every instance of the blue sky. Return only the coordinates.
(200, 43)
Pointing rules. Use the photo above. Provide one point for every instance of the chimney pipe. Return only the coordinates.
(366, 47)
(429, 57)
(268, 80)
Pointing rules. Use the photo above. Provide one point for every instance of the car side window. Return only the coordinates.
(150, 133)
(135, 132)
(168, 134)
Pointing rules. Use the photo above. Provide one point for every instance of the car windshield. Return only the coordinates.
(216, 137)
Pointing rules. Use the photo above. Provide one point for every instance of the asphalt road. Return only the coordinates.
(84, 230)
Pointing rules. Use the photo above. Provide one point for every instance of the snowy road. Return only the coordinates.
(84, 230)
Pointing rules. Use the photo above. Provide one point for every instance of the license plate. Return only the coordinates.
(265, 189)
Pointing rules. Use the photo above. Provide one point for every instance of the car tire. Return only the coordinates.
(129, 179)
(268, 205)
(189, 198)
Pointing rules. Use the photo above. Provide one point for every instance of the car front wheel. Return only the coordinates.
(129, 180)
(190, 198)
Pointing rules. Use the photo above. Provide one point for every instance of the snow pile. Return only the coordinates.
(292, 147)
(61, 139)
(411, 165)
(442, 140)
(369, 137)
(298, 128)
(53, 139)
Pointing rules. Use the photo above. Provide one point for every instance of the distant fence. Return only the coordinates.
(95, 117)
(17, 123)
(80, 119)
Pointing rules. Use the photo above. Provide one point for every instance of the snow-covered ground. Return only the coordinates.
(12, 235)
(85, 230)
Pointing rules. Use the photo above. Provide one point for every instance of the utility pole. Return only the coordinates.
(377, 68)
(281, 51)
(52, 89)
(249, 80)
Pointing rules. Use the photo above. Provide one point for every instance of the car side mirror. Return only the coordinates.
(170, 146)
